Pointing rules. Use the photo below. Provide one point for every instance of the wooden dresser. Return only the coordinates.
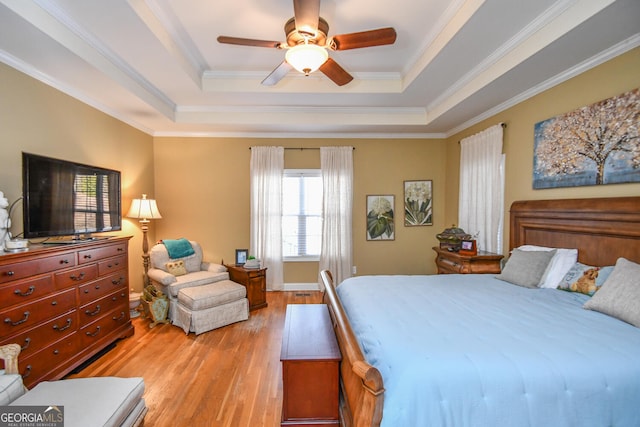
(63, 304)
(310, 367)
(454, 263)
(255, 280)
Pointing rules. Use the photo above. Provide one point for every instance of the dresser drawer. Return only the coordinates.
(25, 291)
(93, 310)
(103, 326)
(19, 270)
(112, 265)
(40, 336)
(37, 366)
(76, 276)
(101, 287)
(91, 255)
(27, 315)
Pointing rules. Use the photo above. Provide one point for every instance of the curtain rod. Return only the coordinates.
(504, 125)
(304, 148)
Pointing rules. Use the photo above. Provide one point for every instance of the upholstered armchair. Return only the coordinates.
(184, 268)
(100, 401)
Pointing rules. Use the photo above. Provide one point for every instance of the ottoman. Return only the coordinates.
(207, 307)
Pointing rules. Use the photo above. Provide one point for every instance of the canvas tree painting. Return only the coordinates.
(596, 144)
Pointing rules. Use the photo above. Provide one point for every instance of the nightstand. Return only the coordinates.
(255, 280)
(454, 263)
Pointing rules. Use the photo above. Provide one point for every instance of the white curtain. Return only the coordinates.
(481, 199)
(267, 167)
(336, 164)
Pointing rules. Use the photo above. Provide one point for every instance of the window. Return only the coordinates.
(301, 214)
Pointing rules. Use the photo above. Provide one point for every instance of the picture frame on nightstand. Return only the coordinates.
(241, 256)
(468, 247)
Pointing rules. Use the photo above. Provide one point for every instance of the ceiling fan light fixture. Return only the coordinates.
(306, 57)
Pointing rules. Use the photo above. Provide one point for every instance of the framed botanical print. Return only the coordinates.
(380, 217)
(418, 203)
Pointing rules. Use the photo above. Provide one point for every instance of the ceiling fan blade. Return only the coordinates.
(277, 74)
(307, 15)
(248, 42)
(335, 72)
(369, 38)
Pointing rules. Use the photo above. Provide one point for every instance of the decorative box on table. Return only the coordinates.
(451, 238)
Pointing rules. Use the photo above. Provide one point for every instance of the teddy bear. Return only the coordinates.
(586, 284)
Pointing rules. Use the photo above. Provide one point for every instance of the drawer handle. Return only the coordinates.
(87, 257)
(16, 323)
(62, 328)
(64, 261)
(118, 282)
(10, 273)
(93, 313)
(120, 249)
(27, 342)
(25, 294)
(27, 372)
(119, 317)
(56, 352)
(78, 277)
(89, 334)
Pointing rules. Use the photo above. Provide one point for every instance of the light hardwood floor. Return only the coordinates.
(230, 376)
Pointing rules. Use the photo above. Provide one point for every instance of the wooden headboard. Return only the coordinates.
(601, 229)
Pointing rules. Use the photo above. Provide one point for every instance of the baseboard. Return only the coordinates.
(301, 287)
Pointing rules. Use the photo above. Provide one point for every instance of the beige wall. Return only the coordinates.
(38, 119)
(609, 79)
(202, 188)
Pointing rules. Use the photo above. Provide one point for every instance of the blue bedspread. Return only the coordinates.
(471, 350)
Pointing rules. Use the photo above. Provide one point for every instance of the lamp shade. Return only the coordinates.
(144, 209)
(306, 58)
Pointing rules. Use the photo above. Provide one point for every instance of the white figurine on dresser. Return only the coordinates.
(5, 221)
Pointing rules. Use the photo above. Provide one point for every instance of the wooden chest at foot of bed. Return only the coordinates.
(310, 367)
(456, 263)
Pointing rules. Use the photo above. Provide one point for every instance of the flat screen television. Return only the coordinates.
(63, 198)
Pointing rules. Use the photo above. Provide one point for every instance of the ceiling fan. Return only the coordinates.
(307, 44)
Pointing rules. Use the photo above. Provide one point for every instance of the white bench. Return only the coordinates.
(99, 401)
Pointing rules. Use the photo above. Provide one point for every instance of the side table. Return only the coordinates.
(255, 280)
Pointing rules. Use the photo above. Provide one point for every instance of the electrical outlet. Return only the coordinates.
(354, 270)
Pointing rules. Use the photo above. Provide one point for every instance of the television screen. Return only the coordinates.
(65, 198)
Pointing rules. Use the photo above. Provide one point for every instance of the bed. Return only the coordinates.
(554, 363)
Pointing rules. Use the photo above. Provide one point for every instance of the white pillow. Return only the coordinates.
(559, 265)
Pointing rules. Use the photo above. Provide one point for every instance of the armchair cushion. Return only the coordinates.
(198, 278)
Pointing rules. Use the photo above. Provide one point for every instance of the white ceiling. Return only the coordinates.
(156, 64)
